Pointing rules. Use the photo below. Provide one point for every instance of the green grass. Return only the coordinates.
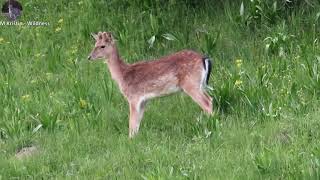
(266, 122)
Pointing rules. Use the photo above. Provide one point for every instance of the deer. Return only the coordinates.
(185, 70)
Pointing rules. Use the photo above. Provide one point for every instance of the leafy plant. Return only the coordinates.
(165, 36)
(256, 13)
(278, 44)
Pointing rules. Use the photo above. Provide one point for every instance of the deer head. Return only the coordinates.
(104, 46)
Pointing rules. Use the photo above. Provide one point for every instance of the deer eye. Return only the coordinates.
(102, 47)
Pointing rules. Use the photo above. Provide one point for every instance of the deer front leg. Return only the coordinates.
(136, 114)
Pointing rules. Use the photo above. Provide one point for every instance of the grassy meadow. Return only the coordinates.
(265, 79)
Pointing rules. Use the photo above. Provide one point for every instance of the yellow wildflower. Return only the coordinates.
(58, 29)
(60, 21)
(25, 97)
(83, 104)
(51, 94)
(238, 63)
(238, 82)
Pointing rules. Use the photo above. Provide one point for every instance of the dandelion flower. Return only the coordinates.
(238, 82)
(60, 21)
(58, 29)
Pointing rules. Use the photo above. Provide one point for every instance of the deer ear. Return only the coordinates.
(108, 37)
(94, 36)
(109, 34)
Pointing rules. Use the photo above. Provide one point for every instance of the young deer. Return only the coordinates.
(186, 70)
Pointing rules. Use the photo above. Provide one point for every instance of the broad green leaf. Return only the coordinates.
(36, 128)
(317, 16)
(241, 9)
(169, 37)
(151, 41)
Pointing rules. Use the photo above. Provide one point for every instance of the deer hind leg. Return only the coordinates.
(200, 97)
(136, 114)
(207, 95)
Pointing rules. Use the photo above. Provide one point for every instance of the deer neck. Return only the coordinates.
(116, 65)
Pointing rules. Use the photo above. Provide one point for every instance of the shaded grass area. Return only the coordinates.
(266, 93)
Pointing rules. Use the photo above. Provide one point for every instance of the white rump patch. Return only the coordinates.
(204, 75)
